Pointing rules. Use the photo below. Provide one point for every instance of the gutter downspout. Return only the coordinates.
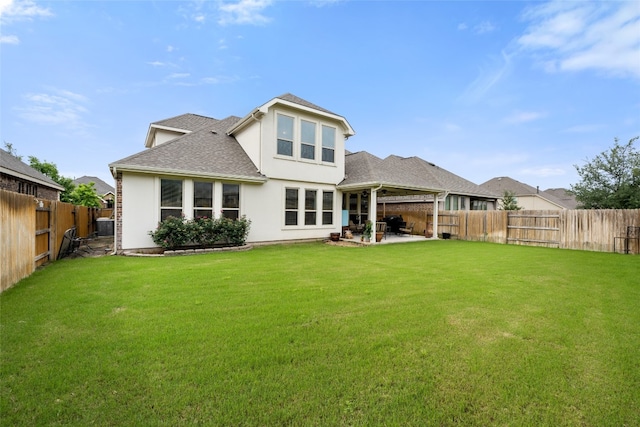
(253, 116)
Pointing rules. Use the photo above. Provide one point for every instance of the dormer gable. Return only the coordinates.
(165, 130)
(293, 102)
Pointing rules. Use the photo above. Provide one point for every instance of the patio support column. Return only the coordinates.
(435, 215)
(373, 212)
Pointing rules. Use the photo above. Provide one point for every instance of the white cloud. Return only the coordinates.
(9, 40)
(161, 64)
(576, 36)
(451, 127)
(323, 3)
(462, 26)
(524, 117)
(11, 10)
(214, 80)
(178, 76)
(244, 12)
(488, 77)
(484, 27)
(499, 159)
(543, 171)
(588, 128)
(57, 107)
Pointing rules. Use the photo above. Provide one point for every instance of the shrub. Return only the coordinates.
(175, 232)
(235, 231)
(171, 233)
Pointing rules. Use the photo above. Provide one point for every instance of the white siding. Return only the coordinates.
(140, 210)
(259, 140)
(163, 136)
(262, 204)
(535, 202)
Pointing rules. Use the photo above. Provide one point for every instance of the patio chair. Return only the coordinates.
(70, 243)
(355, 228)
(381, 227)
(409, 229)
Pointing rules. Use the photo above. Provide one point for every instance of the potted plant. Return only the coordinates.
(368, 231)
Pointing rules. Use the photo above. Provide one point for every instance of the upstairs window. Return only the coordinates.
(328, 144)
(170, 198)
(310, 210)
(231, 201)
(307, 140)
(291, 206)
(285, 135)
(202, 199)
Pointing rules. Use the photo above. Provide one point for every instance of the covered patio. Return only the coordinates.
(390, 238)
(368, 178)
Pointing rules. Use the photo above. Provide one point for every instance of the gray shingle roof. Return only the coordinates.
(206, 151)
(296, 100)
(11, 165)
(503, 183)
(101, 187)
(188, 122)
(568, 199)
(365, 169)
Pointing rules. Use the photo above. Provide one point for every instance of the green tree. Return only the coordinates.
(51, 170)
(85, 195)
(9, 148)
(611, 180)
(509, 201)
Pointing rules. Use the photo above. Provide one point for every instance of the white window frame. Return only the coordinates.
(292, 210)
(310, 210)
(325, 145)
(283, 138)
(229, 209)
(311, 144)
(169, 207)
(328, 210)
(201, 209)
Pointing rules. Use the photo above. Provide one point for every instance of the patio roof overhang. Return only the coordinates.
(389, 189)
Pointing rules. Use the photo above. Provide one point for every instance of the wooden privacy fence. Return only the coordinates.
(591, 230)
(31, 232)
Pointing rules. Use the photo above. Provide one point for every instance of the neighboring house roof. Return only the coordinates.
(13, 166)
(205, 151)
(563, 195)
(293, 101)
(101, 187)
(519, 189)
(501, 184)
(403, 176)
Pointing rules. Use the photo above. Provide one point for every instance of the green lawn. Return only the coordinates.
(429, 333)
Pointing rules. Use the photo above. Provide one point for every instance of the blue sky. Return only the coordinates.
(482, 89)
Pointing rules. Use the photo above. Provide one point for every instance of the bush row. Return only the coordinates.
(175, 232)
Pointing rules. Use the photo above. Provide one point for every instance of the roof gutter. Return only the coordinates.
(191, 174)
(365, 185)
(17, 174)
(254, 116)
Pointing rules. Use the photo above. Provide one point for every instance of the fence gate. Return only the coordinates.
(43, 235)
(449, 223)
(533, 229)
